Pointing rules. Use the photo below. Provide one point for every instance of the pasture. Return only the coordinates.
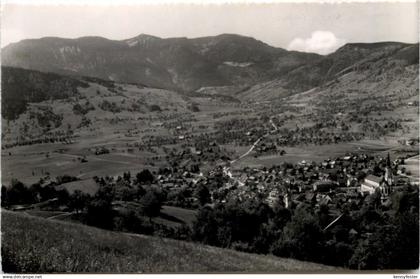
(178, 215)
(315, 153)
(30, 163)
(412, 165)
(169, 216)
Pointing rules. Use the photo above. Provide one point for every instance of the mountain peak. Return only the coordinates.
(141, 40)
(147, 37)
(226, 37)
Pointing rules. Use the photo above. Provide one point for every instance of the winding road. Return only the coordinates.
(227, 171)
(249, 150)
(275, 129)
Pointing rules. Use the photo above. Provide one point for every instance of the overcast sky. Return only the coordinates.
(320, 28)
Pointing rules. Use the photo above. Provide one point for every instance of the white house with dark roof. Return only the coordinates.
(372, 183)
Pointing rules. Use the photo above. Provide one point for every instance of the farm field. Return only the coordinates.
(181, 215)
(88, 186)
(29, 168)
(169, 216)
(30, 163)
(316, 153)
(32, 245)
(412, 165)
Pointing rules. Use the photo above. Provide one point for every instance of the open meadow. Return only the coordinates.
(34, 245)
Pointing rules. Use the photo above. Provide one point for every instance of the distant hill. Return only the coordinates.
(173, 63)
(36, 245)
(350, 56)
(20, 87)
(381, 67)
(37, 104)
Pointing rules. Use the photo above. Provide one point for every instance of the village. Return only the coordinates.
(344, 180)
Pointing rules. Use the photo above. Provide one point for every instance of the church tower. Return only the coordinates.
(389, 177)
(286, 199)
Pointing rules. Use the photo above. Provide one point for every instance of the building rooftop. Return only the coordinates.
(373, 178)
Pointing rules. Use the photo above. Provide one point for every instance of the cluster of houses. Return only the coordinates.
(345, 179)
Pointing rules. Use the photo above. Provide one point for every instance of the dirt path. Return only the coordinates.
(61, 214)
(273, 124)
(275, 128)
(249, 151)
(227, 171)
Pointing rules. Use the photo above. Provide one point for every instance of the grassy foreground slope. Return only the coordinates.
(36, 245)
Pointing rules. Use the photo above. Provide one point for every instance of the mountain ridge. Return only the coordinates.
(180, 63)
(188, 64)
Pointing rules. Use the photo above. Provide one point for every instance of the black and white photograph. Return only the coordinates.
(171, 137)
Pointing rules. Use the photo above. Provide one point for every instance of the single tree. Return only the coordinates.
(151, 204)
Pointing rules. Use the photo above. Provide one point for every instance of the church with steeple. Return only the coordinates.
(383, 184)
